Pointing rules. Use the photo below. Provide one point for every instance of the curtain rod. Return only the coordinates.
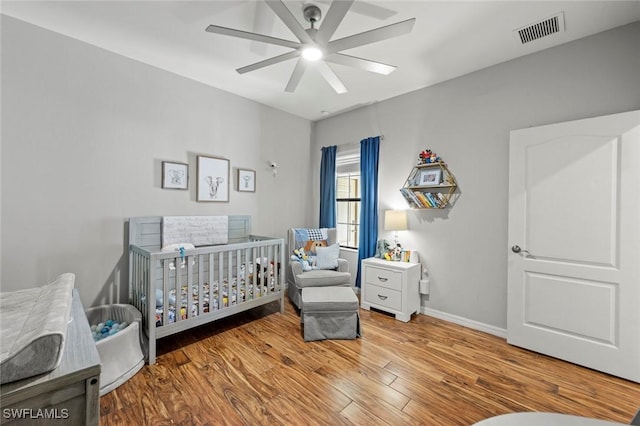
(355, 144)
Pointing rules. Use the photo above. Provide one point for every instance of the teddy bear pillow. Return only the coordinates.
(311, 246)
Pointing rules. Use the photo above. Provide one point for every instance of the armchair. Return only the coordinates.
(298, 279)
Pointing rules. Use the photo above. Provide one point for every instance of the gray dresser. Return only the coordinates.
(69, 394)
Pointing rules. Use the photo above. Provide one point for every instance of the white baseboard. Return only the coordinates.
(466, 322)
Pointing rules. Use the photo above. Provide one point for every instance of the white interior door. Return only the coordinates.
(574, 242)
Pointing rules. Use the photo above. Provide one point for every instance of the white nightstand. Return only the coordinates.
(391, 286)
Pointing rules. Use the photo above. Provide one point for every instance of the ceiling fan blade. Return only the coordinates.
(300, 68)
(270, 61)
(331, 77)
(335, 15)
(289, 20)
(372, 36)
(363, 64)
(252, 36)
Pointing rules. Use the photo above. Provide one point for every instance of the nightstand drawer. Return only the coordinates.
(383, 277)
(383, 296)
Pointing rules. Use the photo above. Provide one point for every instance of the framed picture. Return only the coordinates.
(213, 179)
(246, 180)
(430, 177)
(175, 175)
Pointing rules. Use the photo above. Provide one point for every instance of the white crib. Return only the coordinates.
(177, 291)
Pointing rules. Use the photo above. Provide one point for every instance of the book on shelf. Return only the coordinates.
(415, 199)
(432, 199)
(423, 199)
(407, 194)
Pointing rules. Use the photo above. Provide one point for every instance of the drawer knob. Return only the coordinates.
(382, 297)
(383, 279)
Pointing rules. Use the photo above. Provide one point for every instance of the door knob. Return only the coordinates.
(517, 249)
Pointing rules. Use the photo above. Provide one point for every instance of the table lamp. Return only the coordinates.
(395, 220)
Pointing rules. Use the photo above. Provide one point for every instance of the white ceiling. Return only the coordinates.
(449, 39)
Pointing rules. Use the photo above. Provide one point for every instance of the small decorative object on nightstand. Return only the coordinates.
(392, 287)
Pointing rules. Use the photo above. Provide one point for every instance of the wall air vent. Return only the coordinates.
(552, 25)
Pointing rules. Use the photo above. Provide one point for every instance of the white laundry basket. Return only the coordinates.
(121, 354)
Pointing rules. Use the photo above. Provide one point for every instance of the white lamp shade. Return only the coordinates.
(395, 220)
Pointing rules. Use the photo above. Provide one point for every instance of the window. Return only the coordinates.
(348, 199)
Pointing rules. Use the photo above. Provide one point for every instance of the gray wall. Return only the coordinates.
(467, 122)
(84, 132)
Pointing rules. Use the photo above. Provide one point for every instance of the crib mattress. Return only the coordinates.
(33, 326)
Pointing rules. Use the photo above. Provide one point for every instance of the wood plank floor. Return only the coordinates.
(254, 368)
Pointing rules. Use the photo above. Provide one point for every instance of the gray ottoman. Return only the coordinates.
(329, 313)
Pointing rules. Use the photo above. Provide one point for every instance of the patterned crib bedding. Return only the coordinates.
(210, 300)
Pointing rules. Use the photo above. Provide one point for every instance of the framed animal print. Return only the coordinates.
(175, 175)
(213, 179)
(246, 180)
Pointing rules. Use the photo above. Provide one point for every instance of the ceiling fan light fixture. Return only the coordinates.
(311, 53)
(316, 44)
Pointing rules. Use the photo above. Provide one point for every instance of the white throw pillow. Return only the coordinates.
(327, 257)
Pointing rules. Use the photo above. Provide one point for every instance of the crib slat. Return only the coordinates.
(245, 278)
(232, 295)
(133, 278)
(281, 275)
(201, 285)
(212, 301)
(189, 286)
(220, 281)
(268, 272)
(135, 285)
(238, 274)
(142, 277)
(264, 269)
(276, 262)
(177, 316)
(165, 292)
(261, 271)
(146, 288)
(254, 276)
(232, 262)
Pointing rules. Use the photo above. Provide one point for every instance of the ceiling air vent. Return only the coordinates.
(544, 28)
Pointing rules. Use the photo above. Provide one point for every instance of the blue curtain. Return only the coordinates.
(328, 187)
(369, 151)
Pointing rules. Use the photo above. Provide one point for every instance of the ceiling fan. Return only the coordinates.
(315, 44)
